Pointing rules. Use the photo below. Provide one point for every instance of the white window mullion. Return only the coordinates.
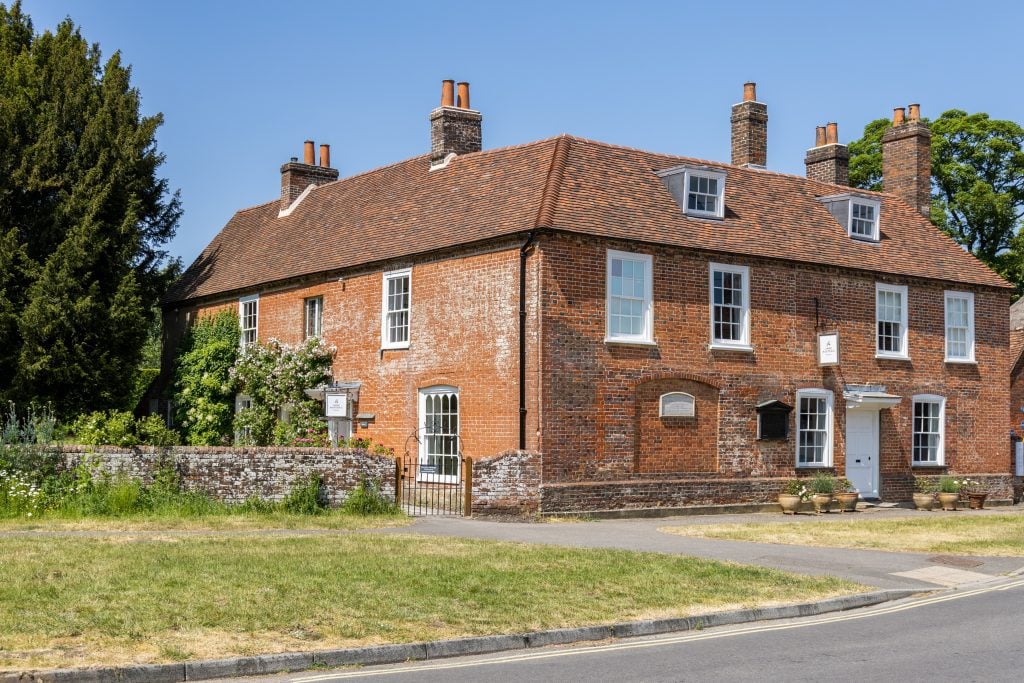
(814, 428)
(628, 313)
(248, 319)
(396, 307)
(891, 315)
(929, 430)
(959, 313)
(729, 305)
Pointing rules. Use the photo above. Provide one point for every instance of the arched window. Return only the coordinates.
(676, 404)
(439, 434)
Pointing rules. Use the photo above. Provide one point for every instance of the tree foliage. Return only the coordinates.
(977, 183)
(204, 390)
(83, 220)
(275, 376)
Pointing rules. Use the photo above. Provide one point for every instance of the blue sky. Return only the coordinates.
(242, 84)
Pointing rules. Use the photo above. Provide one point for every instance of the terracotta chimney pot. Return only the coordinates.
(448, 93)
(749, 91)
(832, 133)
(463, 101)
(325, 156)
(308, 157)
(915, 112)
(898, 116)
(819, 136)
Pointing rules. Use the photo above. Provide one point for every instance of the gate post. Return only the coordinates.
(467, 480)
(398, 481)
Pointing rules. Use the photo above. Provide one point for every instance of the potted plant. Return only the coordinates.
(949, 492)
(792, 496)
(847, 496)
(970, 491)
(822, 487)
(924, 494)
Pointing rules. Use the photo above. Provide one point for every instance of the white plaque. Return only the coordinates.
(828, 349)
(337, 405)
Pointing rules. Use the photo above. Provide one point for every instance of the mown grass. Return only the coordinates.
(227, 519)
(116, 600)
(959, 533)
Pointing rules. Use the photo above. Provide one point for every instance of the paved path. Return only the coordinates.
(869, 567)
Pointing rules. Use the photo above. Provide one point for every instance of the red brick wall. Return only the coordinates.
(590, 396)
(463, 333)
(676, 444)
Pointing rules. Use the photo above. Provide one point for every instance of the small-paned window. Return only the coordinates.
(699, 191)
(248, 319)
(959, 327)
(397, 293)
(863, 220)
(929, 416)
(629, 297)
(314, 313)
(891, 321)
(814, 428)
(677, 404)
(730, 306)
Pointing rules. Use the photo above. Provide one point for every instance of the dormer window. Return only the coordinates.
(700, 191)
(858, 215)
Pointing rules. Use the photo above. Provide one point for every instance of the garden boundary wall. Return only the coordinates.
(234, 474)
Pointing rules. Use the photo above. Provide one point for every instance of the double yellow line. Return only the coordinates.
(688, 637)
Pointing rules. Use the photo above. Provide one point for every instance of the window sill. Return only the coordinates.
(961, 361)
(704, 216)
(630, 342)
(928, 465)
(742, 348)
(882, 356)
(815, 466)
(395, 347)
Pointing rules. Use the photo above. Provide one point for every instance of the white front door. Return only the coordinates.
(862, 451)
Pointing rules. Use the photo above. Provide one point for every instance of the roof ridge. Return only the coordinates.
(553, 183)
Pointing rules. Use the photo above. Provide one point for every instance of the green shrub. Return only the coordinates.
(949, 485)
(823, 483)
(154, 432)
(120, 428)
(367, 499)
(306, 497)
(204, 391)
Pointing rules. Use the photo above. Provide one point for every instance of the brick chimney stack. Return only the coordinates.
(750, 129)
(907, 159)
(296, 177)
(828, 161)
(454, 127)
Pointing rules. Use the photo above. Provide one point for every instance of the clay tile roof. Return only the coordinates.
(563, 183)
(1016, 350)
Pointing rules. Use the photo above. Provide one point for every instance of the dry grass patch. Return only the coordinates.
(957, 533)
(81, 601)
(233, 521)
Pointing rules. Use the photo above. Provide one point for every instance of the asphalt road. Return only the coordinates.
(968, 634)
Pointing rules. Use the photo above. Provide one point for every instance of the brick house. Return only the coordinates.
(663, 331)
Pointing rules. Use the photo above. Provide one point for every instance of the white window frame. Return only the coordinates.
(876, 206)
(904, 352)
(940, 454)
(969, 297)
(384, 312)
(424, 433)
(319, 326)
(661, 404)
(253, 299)
(646, 335)
(829, 426)
(719, 176)
(742, 344)
(242, 402)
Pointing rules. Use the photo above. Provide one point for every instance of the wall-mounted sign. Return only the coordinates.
(336, 405)
(828, 349)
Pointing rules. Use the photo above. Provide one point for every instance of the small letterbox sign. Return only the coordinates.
(336, 405)
(828, 349)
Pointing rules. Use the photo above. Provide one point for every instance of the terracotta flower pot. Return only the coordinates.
(822, 501)
(949, 500)
(790, 503)
(847, 501)
(976, 500)
(924, 501)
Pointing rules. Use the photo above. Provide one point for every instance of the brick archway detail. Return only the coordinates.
(691, 376)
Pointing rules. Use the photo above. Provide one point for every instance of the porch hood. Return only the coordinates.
(869, 396)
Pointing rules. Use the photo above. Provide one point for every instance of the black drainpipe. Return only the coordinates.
(522, 341)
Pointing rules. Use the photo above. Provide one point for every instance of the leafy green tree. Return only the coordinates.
(977, 183)
(204, 390)
(83, 220)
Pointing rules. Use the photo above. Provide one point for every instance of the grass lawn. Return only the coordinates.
(225, 521)
(958, 533)
(72, 601)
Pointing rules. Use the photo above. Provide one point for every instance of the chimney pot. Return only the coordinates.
(898, 116)
(463, 101)
(307, 153)
(448, 93)
(325, 156)
(832, 133)
(819, 136)
(907, 159)
(749, 135)
(915, 112)
(749, 91)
